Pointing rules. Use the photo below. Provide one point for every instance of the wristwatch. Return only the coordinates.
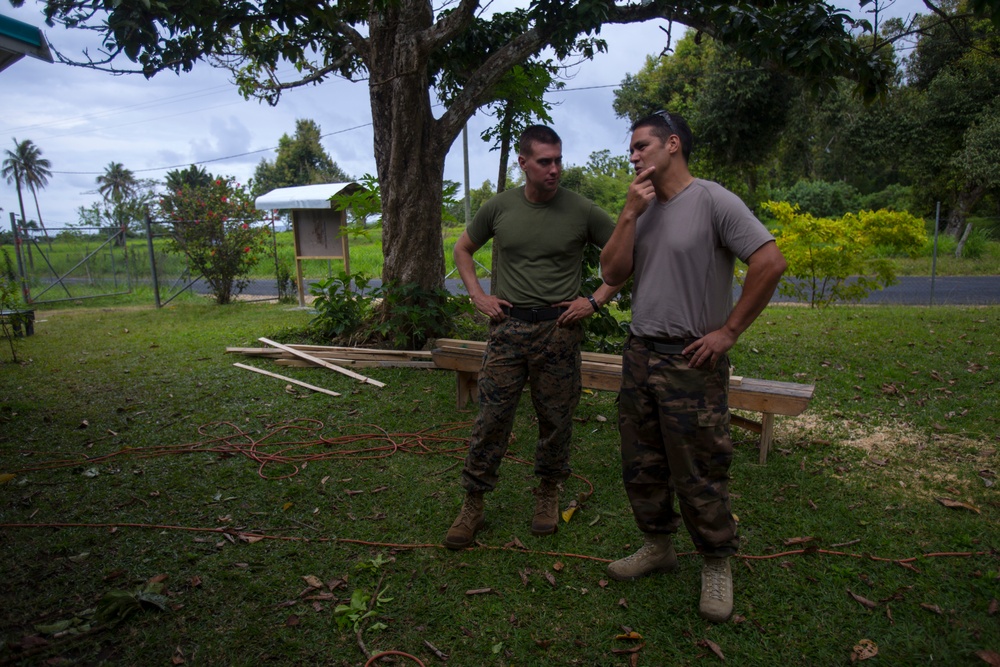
(593, 302)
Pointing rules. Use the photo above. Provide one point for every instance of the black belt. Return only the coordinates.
(675, 346)
(543, 314)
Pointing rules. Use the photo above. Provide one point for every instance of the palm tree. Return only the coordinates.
(37, 171)
(13, 170)
(116, 183)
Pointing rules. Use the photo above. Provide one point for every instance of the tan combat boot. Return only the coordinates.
(655, 555)
(716, 590)
(546, 518)
(470, 521)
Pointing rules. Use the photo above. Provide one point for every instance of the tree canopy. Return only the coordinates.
(301, 160)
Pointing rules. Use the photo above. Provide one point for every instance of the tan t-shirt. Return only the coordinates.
(684, 258)
(540, 245)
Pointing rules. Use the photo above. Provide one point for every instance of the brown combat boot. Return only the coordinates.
(716, 590)
(655, 555)
(546, 518)
(470, 521)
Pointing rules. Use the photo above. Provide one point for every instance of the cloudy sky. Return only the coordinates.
(82, 119)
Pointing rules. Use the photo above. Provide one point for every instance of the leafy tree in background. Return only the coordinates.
(215, 227)
(301, 160)
(192, 177)
(840, 259)
(604, 180)
(405, 50)
(737, 110)
(954, 81)
(25, 166)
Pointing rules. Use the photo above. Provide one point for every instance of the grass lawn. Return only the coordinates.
(160, 506)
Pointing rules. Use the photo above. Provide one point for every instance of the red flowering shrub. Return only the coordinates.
(216, 226)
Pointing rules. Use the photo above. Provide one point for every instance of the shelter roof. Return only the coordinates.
(18, 39)
(303, 196)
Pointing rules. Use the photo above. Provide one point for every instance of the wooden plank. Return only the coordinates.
(324, 364)
(286, 379)
(357, 363)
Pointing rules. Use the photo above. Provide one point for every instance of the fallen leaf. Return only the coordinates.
(864, 649)
(550, 578)
(932, 607)
(158, 579)
(524, 576)
(993, 608)
(603, 583)
(194, 582)
(543, 644)
(991, 658)
(291, 621)
(251, 539)
(352, 493)
(558, 566)
(516, 543)
(863, 601)
(631, 636)
(567, 514)
(622, 603)
(957, 504)
(601, 418)
(6, 477)
(792, 541)
(313, 581)
(634, 650)
(478, 591)
(83, 424)
(287, 506)
(713, 647)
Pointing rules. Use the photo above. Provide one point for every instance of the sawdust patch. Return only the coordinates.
(918, 464)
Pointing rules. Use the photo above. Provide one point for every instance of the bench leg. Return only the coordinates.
(467, 386)
(766, 434)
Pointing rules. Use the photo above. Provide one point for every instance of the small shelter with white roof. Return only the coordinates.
(317, 227)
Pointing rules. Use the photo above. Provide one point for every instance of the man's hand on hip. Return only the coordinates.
(491, 306)
(576, 310)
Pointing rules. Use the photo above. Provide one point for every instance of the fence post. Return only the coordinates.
(152, 258)
(25, 292)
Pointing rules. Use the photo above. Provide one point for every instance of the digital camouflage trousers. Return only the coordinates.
(674, 424)
(545, 357)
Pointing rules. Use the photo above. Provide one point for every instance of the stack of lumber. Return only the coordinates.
(333, 358)
(356, 357)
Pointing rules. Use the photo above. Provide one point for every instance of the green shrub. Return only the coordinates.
(340, 311)
(976, 243)
(410, 315)
(836, 259)
(821, 199)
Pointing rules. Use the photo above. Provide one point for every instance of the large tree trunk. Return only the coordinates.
(967, 197)
(409, 153)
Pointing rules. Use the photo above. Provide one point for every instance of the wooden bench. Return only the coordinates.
(22, 322)
(603, 371)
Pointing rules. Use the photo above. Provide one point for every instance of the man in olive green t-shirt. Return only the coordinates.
(539, 233)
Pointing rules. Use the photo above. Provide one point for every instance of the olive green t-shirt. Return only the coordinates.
(539, 246)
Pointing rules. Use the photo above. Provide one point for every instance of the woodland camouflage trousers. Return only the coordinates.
(546, 357)
(674, 424)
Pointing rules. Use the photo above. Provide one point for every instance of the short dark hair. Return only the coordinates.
(537, 133)
(663, 124)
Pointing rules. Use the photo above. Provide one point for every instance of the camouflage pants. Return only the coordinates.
(674, 423)
(548, 358)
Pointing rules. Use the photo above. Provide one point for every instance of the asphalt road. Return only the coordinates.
(910, 291)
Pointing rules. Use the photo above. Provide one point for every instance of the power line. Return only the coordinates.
(217, 159)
